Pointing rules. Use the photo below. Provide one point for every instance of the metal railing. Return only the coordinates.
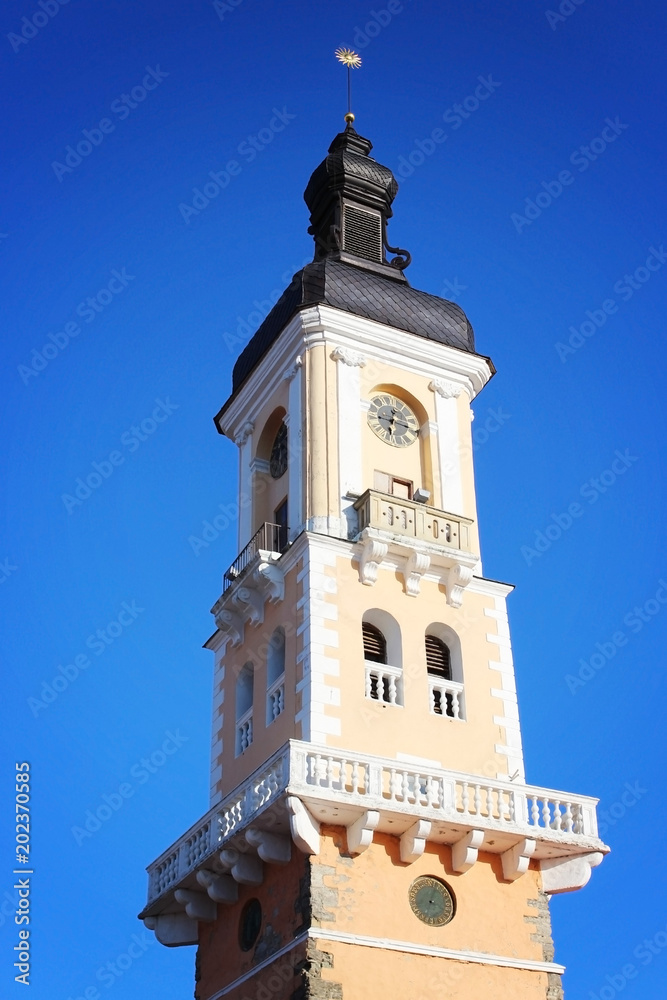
(270, 538)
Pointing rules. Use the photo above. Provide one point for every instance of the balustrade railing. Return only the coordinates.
(275, 700)
(244, 732)
(445, 698)
(384, 683)
(270, 538)
(416, 520)
(368, 782)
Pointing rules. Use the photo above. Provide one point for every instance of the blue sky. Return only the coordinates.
(534, 235)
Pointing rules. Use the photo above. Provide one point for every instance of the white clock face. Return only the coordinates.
(392, 420)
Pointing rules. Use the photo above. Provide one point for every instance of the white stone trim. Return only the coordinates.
(348, 389)
(381, 343)
(459, 955)
(318, 687)
(295, 512)
(449, 453)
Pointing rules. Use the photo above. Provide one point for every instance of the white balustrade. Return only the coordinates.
(375, 783)
(244, 732)
(275, 700)
(384, 683)
(445, 698)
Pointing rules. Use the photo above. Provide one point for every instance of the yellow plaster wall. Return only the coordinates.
(373, 901)
(267, 739)
(374, 727)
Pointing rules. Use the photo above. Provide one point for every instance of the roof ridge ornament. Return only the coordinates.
(352, 60)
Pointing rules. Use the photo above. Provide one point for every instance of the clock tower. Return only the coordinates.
(370, 831)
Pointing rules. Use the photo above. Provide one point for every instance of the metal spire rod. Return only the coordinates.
(351, 60)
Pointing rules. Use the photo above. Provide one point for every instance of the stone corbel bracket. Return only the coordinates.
(360, 833)
(271, 847)
(466, 850)
(415, 566)
(373, 552)
(173, 930)
(230, 623)
(413, 841)
(458, 579)
(198, 905)
(221, 888)
(567, 874)
(304, 829)
(250, 603)
(516, 859)
(270, 577)
(244, 868)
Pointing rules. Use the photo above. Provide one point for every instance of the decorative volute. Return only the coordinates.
(349, 196)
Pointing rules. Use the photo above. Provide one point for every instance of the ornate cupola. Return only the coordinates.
(349, 196)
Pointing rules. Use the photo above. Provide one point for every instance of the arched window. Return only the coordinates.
(445, 693)
(383, 657)
(244, 697)
(275, 676)
(375, 644)
(438, 658)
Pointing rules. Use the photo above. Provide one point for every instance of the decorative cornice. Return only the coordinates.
(448, 390)
(348, 357)
(292, 372)
(242, 436)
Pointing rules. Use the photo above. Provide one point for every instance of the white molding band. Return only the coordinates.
(387, 944)
(451, 486)
(295, 442)
(475, 957)
(348, 385)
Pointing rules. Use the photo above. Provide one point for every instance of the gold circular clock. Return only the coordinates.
(431, 900)
(392, 420)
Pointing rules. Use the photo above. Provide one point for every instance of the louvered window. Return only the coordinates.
(363, 234)
(438, 660)
(375, 644)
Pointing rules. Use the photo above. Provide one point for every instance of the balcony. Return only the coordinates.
(412, 520)
(445, 698)
(421, 539)
(269, 538)
(384, 683)
(253, 579)
(303, 785)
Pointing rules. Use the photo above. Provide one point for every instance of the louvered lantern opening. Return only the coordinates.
(375, 644)
(362, 233)
(438, 659)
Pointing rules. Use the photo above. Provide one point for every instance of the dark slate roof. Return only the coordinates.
(343, 286)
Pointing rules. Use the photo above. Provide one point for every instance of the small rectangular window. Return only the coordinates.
(393, 485)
